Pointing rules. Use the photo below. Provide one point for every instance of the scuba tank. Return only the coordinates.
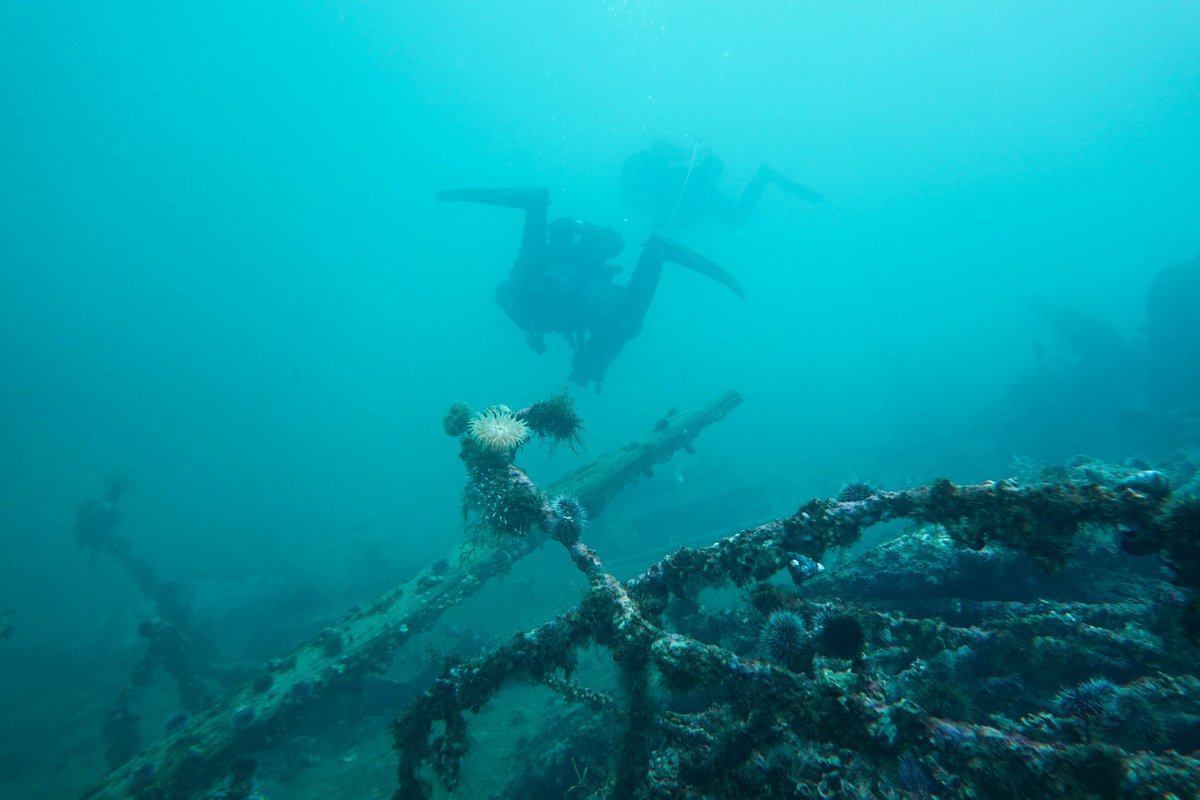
(576, 242)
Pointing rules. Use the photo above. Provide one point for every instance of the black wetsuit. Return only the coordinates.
(563, 283)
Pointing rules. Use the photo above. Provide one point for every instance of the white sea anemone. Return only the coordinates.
(498, 428)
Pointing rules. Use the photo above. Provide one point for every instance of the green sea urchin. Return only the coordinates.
(1092, 699)
(855, 492)
(783, 638)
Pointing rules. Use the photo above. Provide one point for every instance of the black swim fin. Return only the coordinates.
(514, 197)
(678, 254)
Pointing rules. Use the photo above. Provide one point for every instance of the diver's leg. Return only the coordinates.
(659, 248)
(612, 324)
(644, 281)
(532, 256)
(534, 200)
(737, 213)
(509, 197)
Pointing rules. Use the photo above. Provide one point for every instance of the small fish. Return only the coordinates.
(802, 568)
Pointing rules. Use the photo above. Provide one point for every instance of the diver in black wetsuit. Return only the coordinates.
(680, 186)
(562, 281)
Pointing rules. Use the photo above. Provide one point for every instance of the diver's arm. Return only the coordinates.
(737, 213)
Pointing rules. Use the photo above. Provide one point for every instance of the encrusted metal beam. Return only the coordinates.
(187, 763)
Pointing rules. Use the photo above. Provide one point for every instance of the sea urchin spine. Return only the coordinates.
(568, 518)
(783, 638)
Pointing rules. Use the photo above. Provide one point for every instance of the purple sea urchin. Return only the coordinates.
(841, 635)
(568, 517)
(1140, 724)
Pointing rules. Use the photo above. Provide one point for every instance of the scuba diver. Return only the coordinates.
(562, 282)
(680, 186)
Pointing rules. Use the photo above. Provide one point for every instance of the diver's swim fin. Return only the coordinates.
(678, 254)
(516, 197)
(790, 186)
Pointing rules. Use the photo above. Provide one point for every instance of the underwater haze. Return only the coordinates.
(224, 276)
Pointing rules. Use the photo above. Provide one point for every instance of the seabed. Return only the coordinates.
(1026, 637)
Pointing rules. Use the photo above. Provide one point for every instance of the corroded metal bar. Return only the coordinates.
(1041, 520)
(191, 761)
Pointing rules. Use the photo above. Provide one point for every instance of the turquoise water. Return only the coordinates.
(222, 271)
